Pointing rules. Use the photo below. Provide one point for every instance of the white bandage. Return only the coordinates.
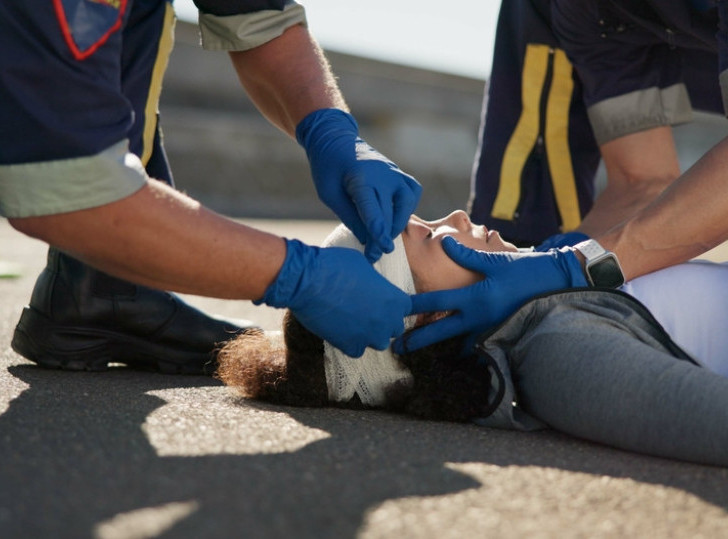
(370, 375)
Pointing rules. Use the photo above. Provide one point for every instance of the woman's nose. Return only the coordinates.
(459, 220)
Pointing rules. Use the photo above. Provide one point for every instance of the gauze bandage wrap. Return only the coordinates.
(370, 375)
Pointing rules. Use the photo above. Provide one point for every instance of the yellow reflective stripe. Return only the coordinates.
(557, 142)
(166, 42)
(524, 137)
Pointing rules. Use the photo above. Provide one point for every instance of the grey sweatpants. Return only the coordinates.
(595, 365)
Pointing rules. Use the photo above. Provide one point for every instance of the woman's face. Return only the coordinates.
(431, 268)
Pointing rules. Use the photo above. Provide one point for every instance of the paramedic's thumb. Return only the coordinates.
(336, 293)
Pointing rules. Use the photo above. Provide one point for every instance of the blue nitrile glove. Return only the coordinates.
(567, 239)
(368, 192)
(511, 280)
(338, 295)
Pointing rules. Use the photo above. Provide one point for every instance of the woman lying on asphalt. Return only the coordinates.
(644, 368)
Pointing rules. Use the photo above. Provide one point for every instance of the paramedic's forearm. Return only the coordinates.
(639, 167)
(191, 249)
(287, 78)
(688, 219)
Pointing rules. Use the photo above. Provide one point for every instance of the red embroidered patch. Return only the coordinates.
(87, 24)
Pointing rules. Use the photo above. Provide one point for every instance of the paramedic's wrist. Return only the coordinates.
(582, 260)
(601, 267)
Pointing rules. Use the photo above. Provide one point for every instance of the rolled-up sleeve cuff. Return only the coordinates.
(247, 31)
(639, 110)
(50, 187)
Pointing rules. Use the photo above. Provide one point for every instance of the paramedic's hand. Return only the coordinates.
(338, 295)
(511, 279)
(368, 192)
(567, 239)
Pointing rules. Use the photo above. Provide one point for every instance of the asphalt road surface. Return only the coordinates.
(128, 454)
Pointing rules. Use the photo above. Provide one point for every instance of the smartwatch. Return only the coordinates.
(602, 267)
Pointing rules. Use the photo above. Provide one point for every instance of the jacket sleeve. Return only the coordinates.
(238, 25)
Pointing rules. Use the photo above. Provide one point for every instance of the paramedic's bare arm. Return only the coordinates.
(639, 167)
(689, 218)
(287, 78)
(191, 249)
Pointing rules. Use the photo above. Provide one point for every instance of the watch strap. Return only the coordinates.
(602, 267)
(590, 249)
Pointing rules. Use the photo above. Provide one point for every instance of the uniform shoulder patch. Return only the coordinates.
(87, 24)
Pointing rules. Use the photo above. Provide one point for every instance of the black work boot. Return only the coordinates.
(82, 319)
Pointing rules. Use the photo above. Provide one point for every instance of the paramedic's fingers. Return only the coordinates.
(478, 261)
(335, 293)
(443, 329)
(367, 191)
(567, 239)
(434, 302)
(385, 203)
(470, 306)
(373, 215)
(439, 301)
(519, 275)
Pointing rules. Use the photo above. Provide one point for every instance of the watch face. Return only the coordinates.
(606, 273)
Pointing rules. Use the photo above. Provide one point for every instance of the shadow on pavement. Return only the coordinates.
(75, 455)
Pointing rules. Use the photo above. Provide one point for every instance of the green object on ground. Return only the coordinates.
(10, 270)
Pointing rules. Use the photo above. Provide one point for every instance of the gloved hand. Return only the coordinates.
(338, 295)
(511, 279)
(567, 239)
(368, 192)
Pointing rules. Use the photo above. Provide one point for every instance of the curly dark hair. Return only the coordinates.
(447, 383)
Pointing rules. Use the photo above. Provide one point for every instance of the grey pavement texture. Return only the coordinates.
(127, 454)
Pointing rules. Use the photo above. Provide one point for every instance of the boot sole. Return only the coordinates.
(77, 348)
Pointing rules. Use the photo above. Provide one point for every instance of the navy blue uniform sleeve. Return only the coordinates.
(643, 65)
(224, 8)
